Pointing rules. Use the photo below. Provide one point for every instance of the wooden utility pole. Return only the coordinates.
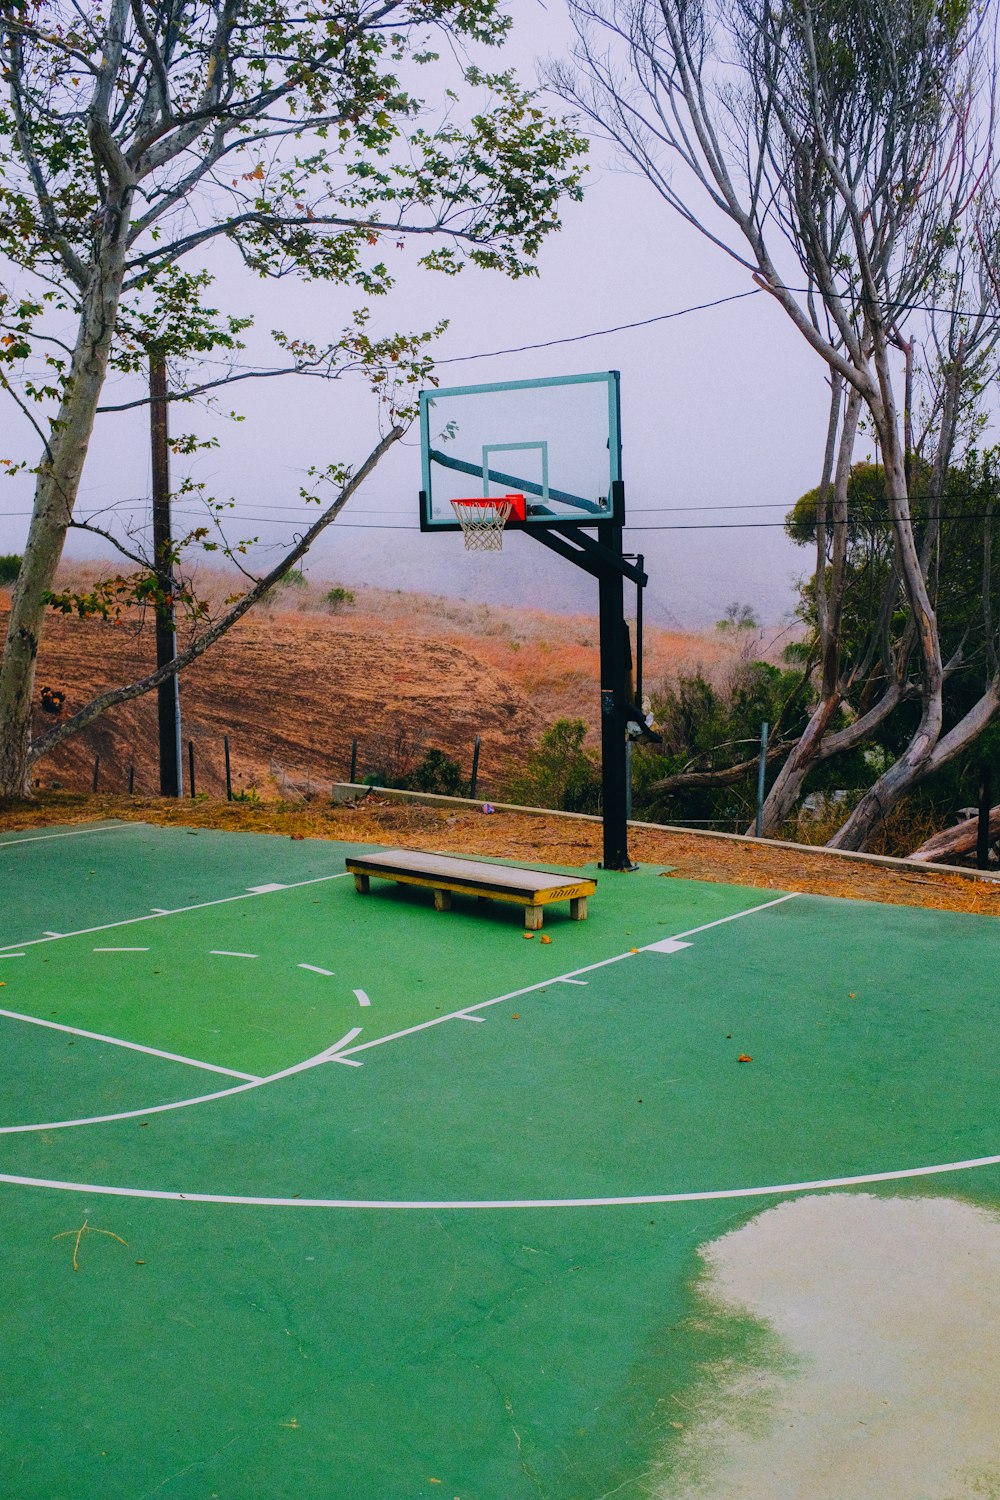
(168, 693)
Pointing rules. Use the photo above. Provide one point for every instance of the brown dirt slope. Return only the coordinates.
(291, 691)
(293, 683)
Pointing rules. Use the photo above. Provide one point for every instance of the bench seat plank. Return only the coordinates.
(442, 872)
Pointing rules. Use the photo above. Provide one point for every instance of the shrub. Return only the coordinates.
(10, 566)
(560, 774)
(436, 773)
(337, 599)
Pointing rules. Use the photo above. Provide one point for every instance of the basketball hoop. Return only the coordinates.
(484, 517)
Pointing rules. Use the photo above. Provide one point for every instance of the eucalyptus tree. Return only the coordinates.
(136, 133)
(839, 151)
(864, 630)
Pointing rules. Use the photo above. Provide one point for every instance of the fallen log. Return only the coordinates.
(955, 841)
(682, 781)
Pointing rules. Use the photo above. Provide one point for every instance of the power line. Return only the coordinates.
(868, 524)
(681, 312)
(599, 333)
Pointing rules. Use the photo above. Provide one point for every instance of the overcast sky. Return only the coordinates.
(723, 410)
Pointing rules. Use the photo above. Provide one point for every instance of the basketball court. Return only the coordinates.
(312, 1193)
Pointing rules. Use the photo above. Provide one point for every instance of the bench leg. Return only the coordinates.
(361, 882)
(442, 900)
(578, 908)
(533, 918)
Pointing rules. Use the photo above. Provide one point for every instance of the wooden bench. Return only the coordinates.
(445, 876)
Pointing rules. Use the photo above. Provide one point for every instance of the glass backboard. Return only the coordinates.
(557, 441)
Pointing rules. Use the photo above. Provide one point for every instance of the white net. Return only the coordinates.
(482, 522)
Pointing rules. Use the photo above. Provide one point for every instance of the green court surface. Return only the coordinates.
(311, 1194)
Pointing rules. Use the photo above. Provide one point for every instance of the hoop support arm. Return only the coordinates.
(591, 555)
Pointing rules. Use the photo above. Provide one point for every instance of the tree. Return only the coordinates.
(136, 133)
(854, 139)
(561, 773)
(874, 629)
(738, 617)
(706, 771)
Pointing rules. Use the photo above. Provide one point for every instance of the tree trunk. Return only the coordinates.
(915, 762)
(961, 839)
(788, 784)
(830, 610)
(201, 644)
(919, 761)
(879, 800)
(55, 495)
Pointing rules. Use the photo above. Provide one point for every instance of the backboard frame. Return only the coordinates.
(591, 513)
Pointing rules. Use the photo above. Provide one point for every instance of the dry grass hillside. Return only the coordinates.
(296, 680)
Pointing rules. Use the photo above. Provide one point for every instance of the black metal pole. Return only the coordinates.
(983, 831)
(229, 769)
(191, 764)
(167, 694)
(614, 693)
(354, 760)
(475, 767)
(131, 779)
(640, 564)
(97, 770)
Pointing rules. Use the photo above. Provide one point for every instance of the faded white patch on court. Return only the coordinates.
(885, 1381)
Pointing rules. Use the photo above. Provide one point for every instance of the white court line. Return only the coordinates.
(361, 997)
(13, 955)
(465, 1013)
(74, 834)
(333, 1054)
(121, 950)
(346, 1055)
(330, 1051)
(439, 1204)
(314, 970)
(721, 921)
(328, 1055)
(568, 978)
(157, 914)
(115, 1041)
(227, 953)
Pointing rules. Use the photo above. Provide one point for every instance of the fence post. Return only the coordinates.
(354, 760)
(475, 767)
(229, 772)
(97, 771)
(191, 764)
(983, 832)
(761, 775)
